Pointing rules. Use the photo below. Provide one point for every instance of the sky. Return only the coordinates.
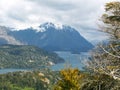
(83, 15)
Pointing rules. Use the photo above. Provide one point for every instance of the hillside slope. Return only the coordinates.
(23, 56)
(53, 38)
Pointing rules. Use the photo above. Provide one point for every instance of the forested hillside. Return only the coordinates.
(28, 80)
(23, 56)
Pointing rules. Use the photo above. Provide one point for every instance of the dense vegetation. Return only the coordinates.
(73, 79)
(32, 80)
(14, 56)
(103, 68)
(67, 79)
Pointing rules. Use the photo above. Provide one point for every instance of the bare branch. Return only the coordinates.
(109, 52)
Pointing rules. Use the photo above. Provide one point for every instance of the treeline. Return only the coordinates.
(67, 79)
(24, 56)
(32, 80)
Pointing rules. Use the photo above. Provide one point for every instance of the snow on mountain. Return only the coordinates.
(53, 37)
(46, 26)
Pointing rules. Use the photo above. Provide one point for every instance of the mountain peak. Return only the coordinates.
(52, 38)
(53, 26)
(45, 26)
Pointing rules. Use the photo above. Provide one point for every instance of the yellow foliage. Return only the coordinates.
(71, 79)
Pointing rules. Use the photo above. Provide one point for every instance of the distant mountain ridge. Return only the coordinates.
(53, 37)
(5, 38)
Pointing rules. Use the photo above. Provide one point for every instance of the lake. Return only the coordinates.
(3, 71)
(75, 60)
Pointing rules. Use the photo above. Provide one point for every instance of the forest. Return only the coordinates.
(26, 56)
(102, 71)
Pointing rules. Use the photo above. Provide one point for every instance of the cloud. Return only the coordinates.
(76, 13)
(55, 4)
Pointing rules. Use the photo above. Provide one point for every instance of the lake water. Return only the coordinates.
(75, 60)
(3, 71)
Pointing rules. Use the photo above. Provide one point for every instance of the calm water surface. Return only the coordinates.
(3, 71)
(75, 60)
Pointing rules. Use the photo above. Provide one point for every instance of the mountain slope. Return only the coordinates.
(7, 39)
(53, 38)
(23, 56)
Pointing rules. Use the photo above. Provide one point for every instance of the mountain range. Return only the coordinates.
(49, 36)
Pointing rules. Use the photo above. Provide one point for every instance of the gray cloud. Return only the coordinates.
(55, 4)
(80, 14)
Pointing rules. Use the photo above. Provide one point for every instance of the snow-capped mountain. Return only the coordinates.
(53, 37)
(46, 26)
